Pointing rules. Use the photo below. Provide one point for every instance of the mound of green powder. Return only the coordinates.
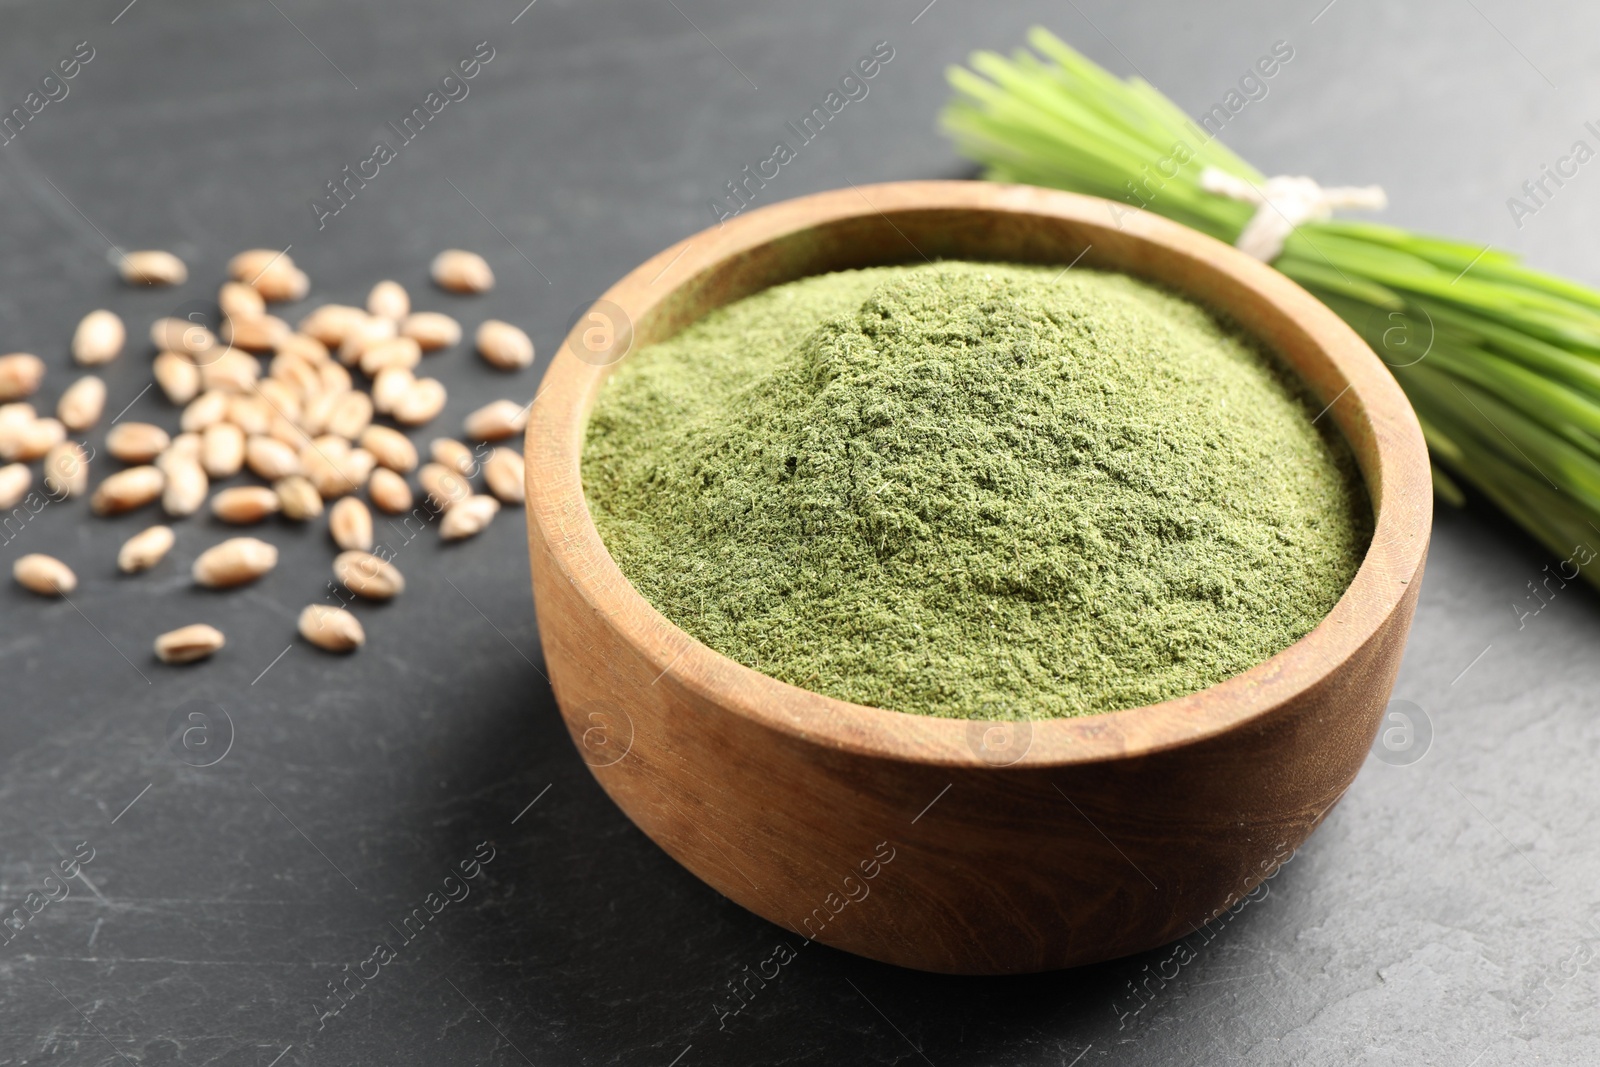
(975, 490)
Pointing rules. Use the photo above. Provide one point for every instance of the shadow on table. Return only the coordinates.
(587, 938)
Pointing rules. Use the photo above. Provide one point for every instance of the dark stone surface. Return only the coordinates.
(1444, 915)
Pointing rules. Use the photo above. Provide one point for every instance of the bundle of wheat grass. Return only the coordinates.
(1502, 363)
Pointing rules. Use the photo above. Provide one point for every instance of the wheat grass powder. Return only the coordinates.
(975, 490)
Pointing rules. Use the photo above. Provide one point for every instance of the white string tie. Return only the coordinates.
(1284, 202)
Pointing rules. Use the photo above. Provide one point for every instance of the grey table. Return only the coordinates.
(1444, 915)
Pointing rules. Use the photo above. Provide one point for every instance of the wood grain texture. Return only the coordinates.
(1048, 844)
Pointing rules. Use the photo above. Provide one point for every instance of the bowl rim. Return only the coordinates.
(1395, 474)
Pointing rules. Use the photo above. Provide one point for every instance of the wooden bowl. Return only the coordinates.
(944, 845)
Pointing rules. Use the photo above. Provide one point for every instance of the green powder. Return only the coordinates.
(975, 490)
